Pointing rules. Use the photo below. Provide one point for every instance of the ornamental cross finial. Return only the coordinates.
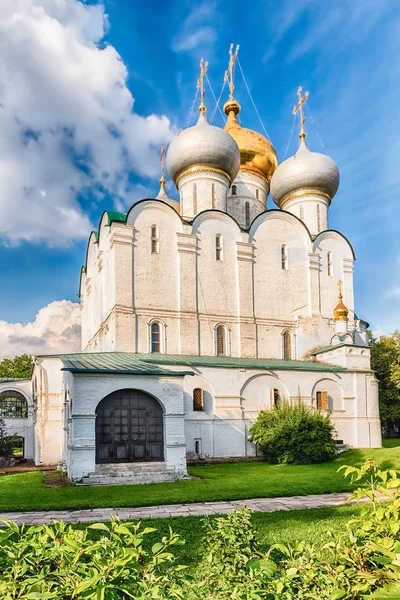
(299, 108)
(340, 288)
(162, 153)
(200, 85)
(229, 76)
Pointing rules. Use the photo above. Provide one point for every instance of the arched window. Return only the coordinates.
(287, 345)
(257, 194)
(247, 213)
(322, 400)
(213, 195)
(13, 405)
(234, 190)
(318, 218)
(218, 247)
(329, 258)
(198, 399)
(284, 258)
(194, 198)
(155, 247)
(221, 340)
(276, 397)
(155, 333)
(302, 212)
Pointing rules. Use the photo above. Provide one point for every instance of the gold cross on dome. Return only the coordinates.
(200, 85)
(299, 108)
(229, 72)
(340, 287)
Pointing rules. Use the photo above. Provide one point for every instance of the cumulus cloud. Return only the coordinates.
(56, 329)
(198, 29)
(68, 130)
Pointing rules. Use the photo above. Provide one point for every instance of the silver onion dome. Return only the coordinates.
(305, 170)
(203, 145)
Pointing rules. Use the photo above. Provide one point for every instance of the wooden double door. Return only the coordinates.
(129, 428)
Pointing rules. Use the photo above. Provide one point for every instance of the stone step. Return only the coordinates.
(128, 480)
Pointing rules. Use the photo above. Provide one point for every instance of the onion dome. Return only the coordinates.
(306, 171)
(257, 154)
(163, 195)
(203, 147)
(341, 312)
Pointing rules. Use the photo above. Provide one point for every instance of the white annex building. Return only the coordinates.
(198, 314)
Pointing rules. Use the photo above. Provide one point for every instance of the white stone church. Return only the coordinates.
(198, 314)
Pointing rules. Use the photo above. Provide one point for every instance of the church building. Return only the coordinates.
(199, 313)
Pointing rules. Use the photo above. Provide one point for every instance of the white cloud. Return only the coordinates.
(198, 29)
(64, 104)
(393, 292)
(56, 328)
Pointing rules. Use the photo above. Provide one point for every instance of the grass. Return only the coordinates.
(229, 481)
(286, 527)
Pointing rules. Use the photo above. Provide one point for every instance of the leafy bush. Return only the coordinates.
(294, 434)
(6, 448)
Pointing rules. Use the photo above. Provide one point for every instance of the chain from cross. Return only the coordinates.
(200, 84)
(229, 72)
(299, 109)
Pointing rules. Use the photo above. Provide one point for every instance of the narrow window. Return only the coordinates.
(213, 195)
(194, 198)
(221, 342)
(318, 218)
(284, 258)
(302, 212)
(155, 337)
(234, 190)
(247, 213)
(218, 246)
(330, 263)
(198, 401)
(155, 247)
(197, 449)
(287, 346)
(257, 194)
(322, 400)
(277, 398)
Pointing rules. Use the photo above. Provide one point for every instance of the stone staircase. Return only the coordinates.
(341, 447)
(129, 473)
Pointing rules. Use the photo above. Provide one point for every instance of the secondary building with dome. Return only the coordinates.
(198, 313)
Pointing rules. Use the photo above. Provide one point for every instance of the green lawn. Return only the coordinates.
(287, 527)
(228, 481)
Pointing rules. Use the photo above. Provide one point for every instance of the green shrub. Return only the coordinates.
(294, 434)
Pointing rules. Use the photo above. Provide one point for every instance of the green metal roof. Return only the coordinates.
(117, 363)
(334, 346)
(115, 216)
(12, 379)
(239, 363)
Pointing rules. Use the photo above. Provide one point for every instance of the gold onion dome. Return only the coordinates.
(341, 312)
(257, 154)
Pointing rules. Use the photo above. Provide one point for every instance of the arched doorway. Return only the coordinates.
(129, 428)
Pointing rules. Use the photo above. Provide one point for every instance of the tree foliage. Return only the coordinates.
(19, 367)
(294, 434)
(385, 361)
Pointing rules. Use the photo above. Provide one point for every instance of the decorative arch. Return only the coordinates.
(333, 391)
(157, 336)
(282, 215)
(258, 393)
(287, 344)
(214, 215)
(334, 235)
(13, 405)
(129, 428)
(222, 340)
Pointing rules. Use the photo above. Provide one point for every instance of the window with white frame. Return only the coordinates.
(234, 190)
(221, 340)
(257, 194)
(155, 337)
(247, 213)
(330, 266)
(155, 244)
(198, 400)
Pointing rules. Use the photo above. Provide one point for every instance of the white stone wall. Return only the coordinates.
(23, 427)
(190, 292)
(312, 209)
(201, 191)
(248, 187)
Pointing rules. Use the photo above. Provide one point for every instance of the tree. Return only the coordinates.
(5, 444)
(385, 361)
(19, 367)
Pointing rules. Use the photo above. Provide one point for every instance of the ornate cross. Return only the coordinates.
(299, 108)
(200, 85)
(340, 287)
(162, 162)
(229, 72)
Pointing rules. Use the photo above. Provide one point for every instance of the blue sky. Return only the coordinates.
(90, 123)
